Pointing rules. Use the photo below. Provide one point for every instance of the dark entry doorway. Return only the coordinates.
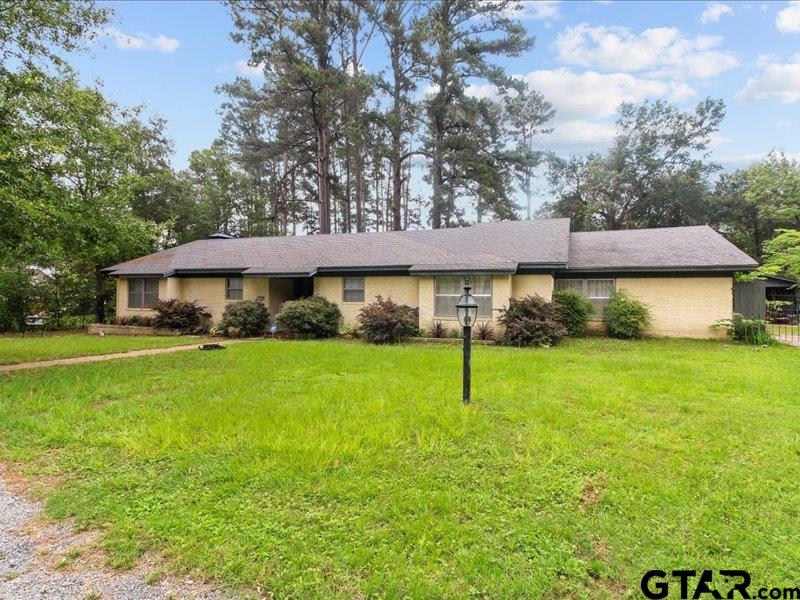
(303, 287)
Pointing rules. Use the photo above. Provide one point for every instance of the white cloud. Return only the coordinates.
(714, 12)
(785, 124)
(242, 67)
(663, 51)
(142, 41)
(591, 95)
(540, 10)
(779, 82)
(579, 136)
(586, 103)
(788, 20)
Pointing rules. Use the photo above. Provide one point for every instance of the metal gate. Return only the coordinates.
(783, 322)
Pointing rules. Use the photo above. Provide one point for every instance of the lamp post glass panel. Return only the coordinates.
(467, 312)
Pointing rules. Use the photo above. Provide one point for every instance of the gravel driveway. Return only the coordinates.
(47, 561)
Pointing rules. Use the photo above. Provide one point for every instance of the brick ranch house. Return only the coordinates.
(685, 274)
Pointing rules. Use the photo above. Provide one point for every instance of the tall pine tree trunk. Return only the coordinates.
(323, 168)
(358, 155)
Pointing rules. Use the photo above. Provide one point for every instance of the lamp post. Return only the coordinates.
(467, 312)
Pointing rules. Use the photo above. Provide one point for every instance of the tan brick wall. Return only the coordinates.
(208, 291)
(256, 288)
(531, 285)
(403, 289)
(683, 306)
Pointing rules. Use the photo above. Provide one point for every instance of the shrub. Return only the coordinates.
(248, 318)
(573, 310)
(625, 317)
(387, 322)
(174, 313)
(438, 330)
(313, 317)
(349, 332)
(484, 332)
(750, 331)
(531, 321)
(454, 333)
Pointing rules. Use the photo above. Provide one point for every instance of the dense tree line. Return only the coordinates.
(319, 144)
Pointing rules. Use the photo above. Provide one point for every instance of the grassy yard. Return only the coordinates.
(329, 469)
(17, 349)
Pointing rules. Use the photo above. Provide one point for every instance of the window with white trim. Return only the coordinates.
(142, 292)
(234, 288)
(598, 291)
(448, 289)
(352, 289)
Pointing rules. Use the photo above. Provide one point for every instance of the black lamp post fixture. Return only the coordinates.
(467, 312)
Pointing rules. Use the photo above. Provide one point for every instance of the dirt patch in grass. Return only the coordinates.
(592, 491)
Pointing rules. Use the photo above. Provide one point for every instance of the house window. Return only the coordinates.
(352, 289)
(598, 291)
(448, 289)
(234, 288)
(142, 292)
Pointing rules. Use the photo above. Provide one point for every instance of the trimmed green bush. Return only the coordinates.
(183, 315)
(573, 310)
(626, 317)
(386, 322)
(531, 321)
(248, 318)
(314, 317)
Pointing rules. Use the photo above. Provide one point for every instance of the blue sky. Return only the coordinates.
(589, 56)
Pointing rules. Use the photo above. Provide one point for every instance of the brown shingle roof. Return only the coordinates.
(490, 247)
(668, 248)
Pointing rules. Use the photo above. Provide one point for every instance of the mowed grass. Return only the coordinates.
(334, 469)
(32, 347)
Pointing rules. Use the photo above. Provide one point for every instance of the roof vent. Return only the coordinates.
(220, 236)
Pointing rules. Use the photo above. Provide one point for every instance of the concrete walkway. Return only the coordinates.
(99, 357)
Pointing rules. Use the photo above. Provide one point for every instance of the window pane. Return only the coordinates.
(353, 289)
(448, 289)
(134, 300)
(599, 288)
(234, 288)
(136, 285)
(150, 299)
(353, 296)
(150, 285)
(449, 284)
(569, 284)
(353, 283)
(445, 306)
(481, 284)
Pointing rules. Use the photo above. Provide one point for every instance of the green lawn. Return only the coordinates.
(331, 469)
(17, 349)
